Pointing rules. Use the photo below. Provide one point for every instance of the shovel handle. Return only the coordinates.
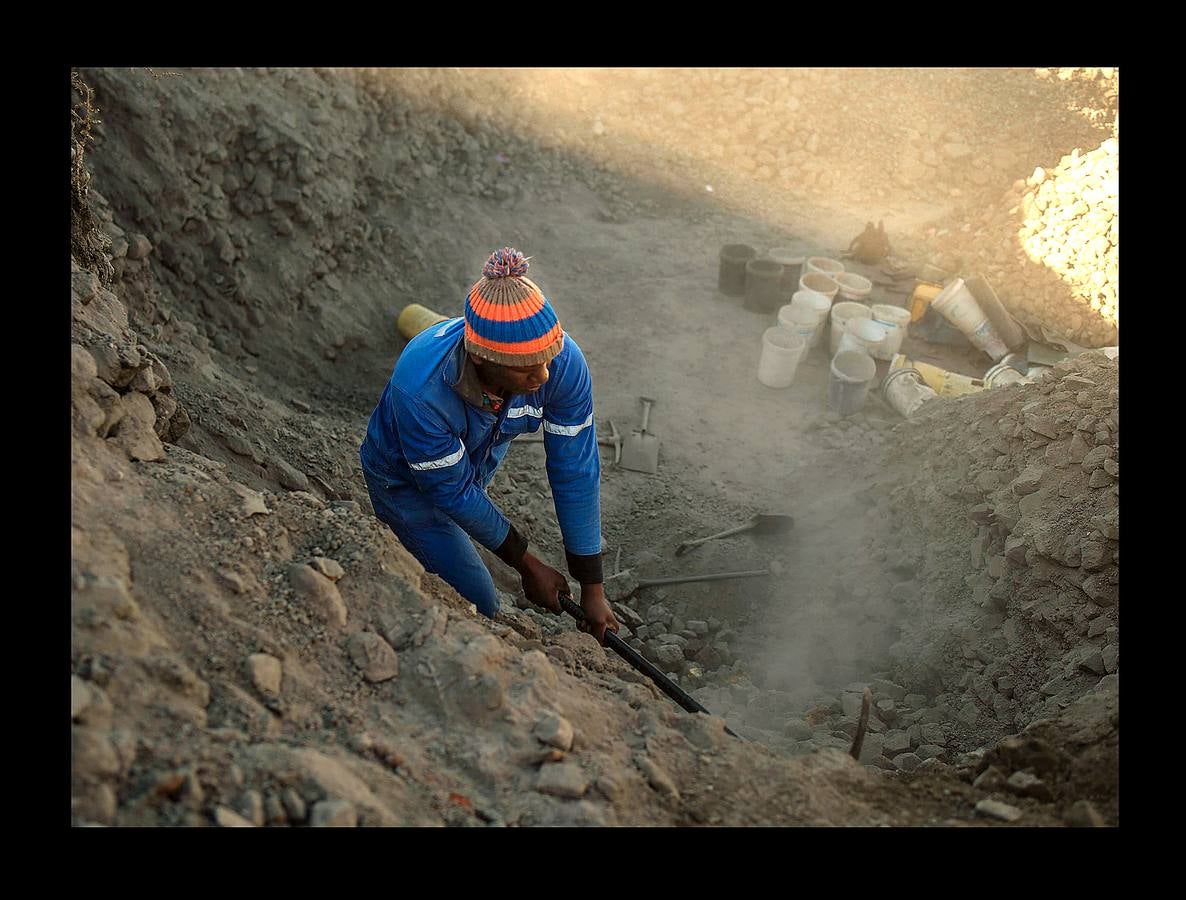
(716, 576)
(688, 545)
(646, 411)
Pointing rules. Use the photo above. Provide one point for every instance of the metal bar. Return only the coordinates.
(642, 664)
(718, 576)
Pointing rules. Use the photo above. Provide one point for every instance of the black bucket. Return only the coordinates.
(731, 280)
(763, 285)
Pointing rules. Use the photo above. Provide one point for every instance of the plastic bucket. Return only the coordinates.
(1002, 374)
(905, 391)
(792, 268)
(841, 313)
(781, 352)
(848, 381)
(863, 336)
(820, 283)
(799, 320)
(824, 266)
(1004, 325)
(731, 278)
(415, 318)
(895, 320)
(924, 293)
(762, 291)
(959, 307)
(948, 384)
(818, 305)
(854, 287)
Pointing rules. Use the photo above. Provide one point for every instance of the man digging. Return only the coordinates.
(460, 392)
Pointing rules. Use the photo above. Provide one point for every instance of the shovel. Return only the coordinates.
(640, 450)
(760, 524)
(624, 584)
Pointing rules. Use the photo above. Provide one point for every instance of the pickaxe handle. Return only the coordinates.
(688, 545)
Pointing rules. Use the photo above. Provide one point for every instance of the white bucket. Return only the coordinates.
(905, 391)
(1002, 374)
(841, 314)
(823, 265)
(957, 305)
(798, 320)
(853, 286)
(895, 319)
(820, 283)
(848, 384)
(781, 352)
(818, 305)
(863, 336)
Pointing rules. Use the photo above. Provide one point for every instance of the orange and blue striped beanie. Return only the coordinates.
(508, 320)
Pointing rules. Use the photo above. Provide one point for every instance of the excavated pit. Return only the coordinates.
(963, 565)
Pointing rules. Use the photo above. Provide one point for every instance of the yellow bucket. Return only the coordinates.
(947, 384)
(415, 318)
(924, 293)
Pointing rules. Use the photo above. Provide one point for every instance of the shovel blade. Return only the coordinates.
(640, 453)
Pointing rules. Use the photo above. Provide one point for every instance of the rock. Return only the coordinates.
(265, 672)
(139, 247)
(906, 762)
(1102, 589)
(294, 805)
(1110, 657)
(555, 731)
(319, 593)
(668, 657)
(274, 812)
(872, 748)
(915, 701)
(797, 730)
(991, 779)
(969, 712)
(1082, 814)
(888, 689)
(1028, 481)
(251, 805)
(92, 753)
(253, 501)
(228, 818)
(656, 777)
(230, 579)
(698, 626)
(330, 568)
(996, 810)
(933, 733)
(1026, 785)
(895, 742)
(289, 477)
(929, 751)
(562, 779)
(850, 704)
(1093, 661)
(333, 814)
(374, 656)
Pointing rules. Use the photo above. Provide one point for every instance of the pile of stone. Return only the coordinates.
(1051, 246)
(1015, 618)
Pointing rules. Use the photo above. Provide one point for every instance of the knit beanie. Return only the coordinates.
(508, 320)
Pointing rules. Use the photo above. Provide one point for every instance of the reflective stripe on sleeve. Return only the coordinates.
(519, 411)
(568, 430)
(443, 463)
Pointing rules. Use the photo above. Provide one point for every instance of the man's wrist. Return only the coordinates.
(513, 549)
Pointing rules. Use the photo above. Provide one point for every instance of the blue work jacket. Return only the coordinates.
(425, 434)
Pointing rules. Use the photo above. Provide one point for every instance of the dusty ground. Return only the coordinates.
(286, 219)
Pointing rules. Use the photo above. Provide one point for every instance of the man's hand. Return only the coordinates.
(542, 584)
(598, 614)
